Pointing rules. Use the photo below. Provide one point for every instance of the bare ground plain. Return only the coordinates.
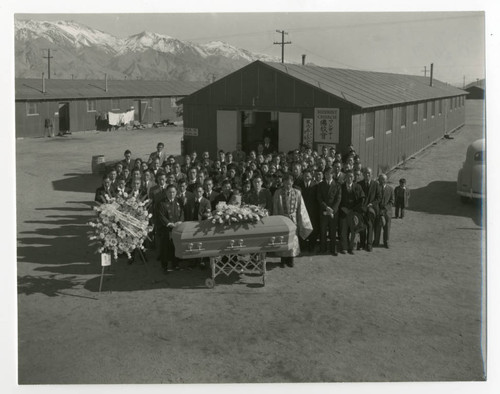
(411, 313)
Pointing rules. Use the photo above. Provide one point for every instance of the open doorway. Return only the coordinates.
(64, 118)
(255, 126)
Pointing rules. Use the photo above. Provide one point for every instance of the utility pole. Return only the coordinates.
(463, 86)
(282, 43)
(424, 71)
(48, 57)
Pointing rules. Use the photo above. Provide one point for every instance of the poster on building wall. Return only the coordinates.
(326, 125)
(190, 131)
(307, 132)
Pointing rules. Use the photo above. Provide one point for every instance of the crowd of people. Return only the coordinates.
(342, 197)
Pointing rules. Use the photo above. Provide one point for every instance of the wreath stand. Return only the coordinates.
(253, 263)
(106, 264)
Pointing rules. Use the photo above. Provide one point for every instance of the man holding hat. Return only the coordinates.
(369, 208)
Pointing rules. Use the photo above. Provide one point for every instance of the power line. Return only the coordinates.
(333, 27)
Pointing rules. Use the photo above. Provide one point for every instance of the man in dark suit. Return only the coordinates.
(268, 148)
(370, 207)
(196, 207)
(155, 167)
(259, 195)
(233, 177)
(309, 190)
(226, 192)
(328, 197)
(137, 190)
(184, 196)
(127, 161)
(385, 211)
(105, 192)
(156, 194)
(297, 174)
(351, 202)
(159, 154)
(338, 175)
(170, 214)
(209, 193)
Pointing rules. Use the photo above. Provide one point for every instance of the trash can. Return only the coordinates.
(98, 164)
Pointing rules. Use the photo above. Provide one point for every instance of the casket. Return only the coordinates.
(205, 239)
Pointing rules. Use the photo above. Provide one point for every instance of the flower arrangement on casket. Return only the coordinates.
(233, 214)
(122, 225)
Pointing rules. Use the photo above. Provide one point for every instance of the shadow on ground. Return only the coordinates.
(440, 198)
(80, 183)
(138, 276)
(56, 245)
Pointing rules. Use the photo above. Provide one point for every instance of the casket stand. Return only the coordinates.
(239, 247)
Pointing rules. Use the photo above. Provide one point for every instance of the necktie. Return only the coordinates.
(196, 209)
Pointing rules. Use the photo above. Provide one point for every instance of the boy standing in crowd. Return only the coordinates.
(401, 197)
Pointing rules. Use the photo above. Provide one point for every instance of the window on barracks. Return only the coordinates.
(424, 115)
(91, 105)
(388, 119)
(370, 125)
(433, 108)
(115, 103)
(403, 116)
(414, 118)
(451, 103)
(440, 106)
(31, 108)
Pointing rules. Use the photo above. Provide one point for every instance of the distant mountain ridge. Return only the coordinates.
(82, 52)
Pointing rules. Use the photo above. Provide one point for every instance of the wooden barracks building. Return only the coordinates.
(74, 105)
(386, 117)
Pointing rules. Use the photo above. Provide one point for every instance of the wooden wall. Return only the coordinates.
(256, 87)
(259, 87)
(159, 108)
(387, 149)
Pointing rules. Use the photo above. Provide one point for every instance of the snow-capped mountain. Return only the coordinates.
(65, 34)
(83, 52)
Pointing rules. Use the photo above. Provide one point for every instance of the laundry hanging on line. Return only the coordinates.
(119, 119)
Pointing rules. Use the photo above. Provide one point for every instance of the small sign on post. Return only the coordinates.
(105, 259)
(105, 262)
(191, 131)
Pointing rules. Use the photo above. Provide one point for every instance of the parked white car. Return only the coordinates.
(470, 182)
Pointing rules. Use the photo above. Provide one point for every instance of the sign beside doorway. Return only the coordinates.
(307, 132)
(326, 125)
(191, 131)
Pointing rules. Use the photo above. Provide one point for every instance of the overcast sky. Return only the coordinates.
(390, 42)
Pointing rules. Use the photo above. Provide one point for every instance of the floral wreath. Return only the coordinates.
(121, 226)
(231, 214)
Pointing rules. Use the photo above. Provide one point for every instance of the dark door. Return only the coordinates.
(63, 117)
(255, 129)
(137, 110)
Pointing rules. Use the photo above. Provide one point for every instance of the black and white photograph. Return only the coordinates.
(278, 195)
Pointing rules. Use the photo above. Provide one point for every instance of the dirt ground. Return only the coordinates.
(410, 313)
